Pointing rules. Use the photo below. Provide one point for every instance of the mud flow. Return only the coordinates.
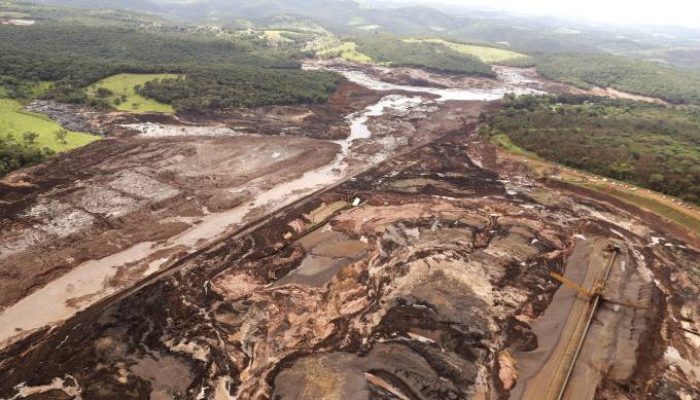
(371, 248)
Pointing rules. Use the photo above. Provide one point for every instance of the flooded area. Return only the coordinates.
(510, 80)
(91, 281)
(169, 376)
(372, 247)
(328, 252)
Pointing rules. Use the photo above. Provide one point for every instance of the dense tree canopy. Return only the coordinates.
(397, 52)
(76, 56)
(240, 87)
(14, 155)
(653, 146)
(634, 76)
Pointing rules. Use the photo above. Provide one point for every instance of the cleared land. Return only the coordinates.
(15, 121)
(124, 96)
(276, 36)
(488, 55)
(347, 51)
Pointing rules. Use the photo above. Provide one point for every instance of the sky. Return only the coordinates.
(664, 12)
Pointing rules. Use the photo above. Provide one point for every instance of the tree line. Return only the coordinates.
(14, 155)
(75, 56)
(394, 50)
(675, 85)
(240, 87)
(653, 146)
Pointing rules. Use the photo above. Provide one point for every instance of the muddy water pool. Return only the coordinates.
(328, 252)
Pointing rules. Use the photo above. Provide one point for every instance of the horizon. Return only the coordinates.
(622, 12)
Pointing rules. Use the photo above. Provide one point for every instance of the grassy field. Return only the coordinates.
(504, 142)
(276, 36)
(346, 50)
(488, 55)
(15, 121)
(124, 97)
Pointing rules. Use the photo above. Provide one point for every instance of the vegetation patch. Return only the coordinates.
(15, 123)
(119, 91)
(649, 145)
(345, 50)
(488, 55)
(278, 36)
(28, 138)
(13, 14)
(396, 51)
(674, 214)
(503, 141)
(634, 76)
(77, 56)
(240, 87)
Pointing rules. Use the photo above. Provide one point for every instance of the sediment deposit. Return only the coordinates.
(403, 259)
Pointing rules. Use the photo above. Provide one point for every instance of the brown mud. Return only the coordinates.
(427, 276)
(454, 272)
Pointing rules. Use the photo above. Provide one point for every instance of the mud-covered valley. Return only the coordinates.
(374, 247)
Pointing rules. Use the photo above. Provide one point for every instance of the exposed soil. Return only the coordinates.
(425, 276)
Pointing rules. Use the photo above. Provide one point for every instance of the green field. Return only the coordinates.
(504, 142)
(15, 121)
(488, 55)
(345, 50)
(277, 36)
(124, 97)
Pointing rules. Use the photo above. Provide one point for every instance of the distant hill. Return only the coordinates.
(677, 46)
(137, 5)
(341, 16)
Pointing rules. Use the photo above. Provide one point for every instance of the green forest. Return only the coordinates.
(653, 146)
(674, 85)
(398, 52)
(61, 61)
(14, 155)
(75, 56)
(240, 87)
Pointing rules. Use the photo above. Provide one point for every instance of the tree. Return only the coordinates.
(103, 92)
(30, 137)
(61, 136)
(656, 178)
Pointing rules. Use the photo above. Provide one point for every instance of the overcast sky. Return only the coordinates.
(672, 12)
